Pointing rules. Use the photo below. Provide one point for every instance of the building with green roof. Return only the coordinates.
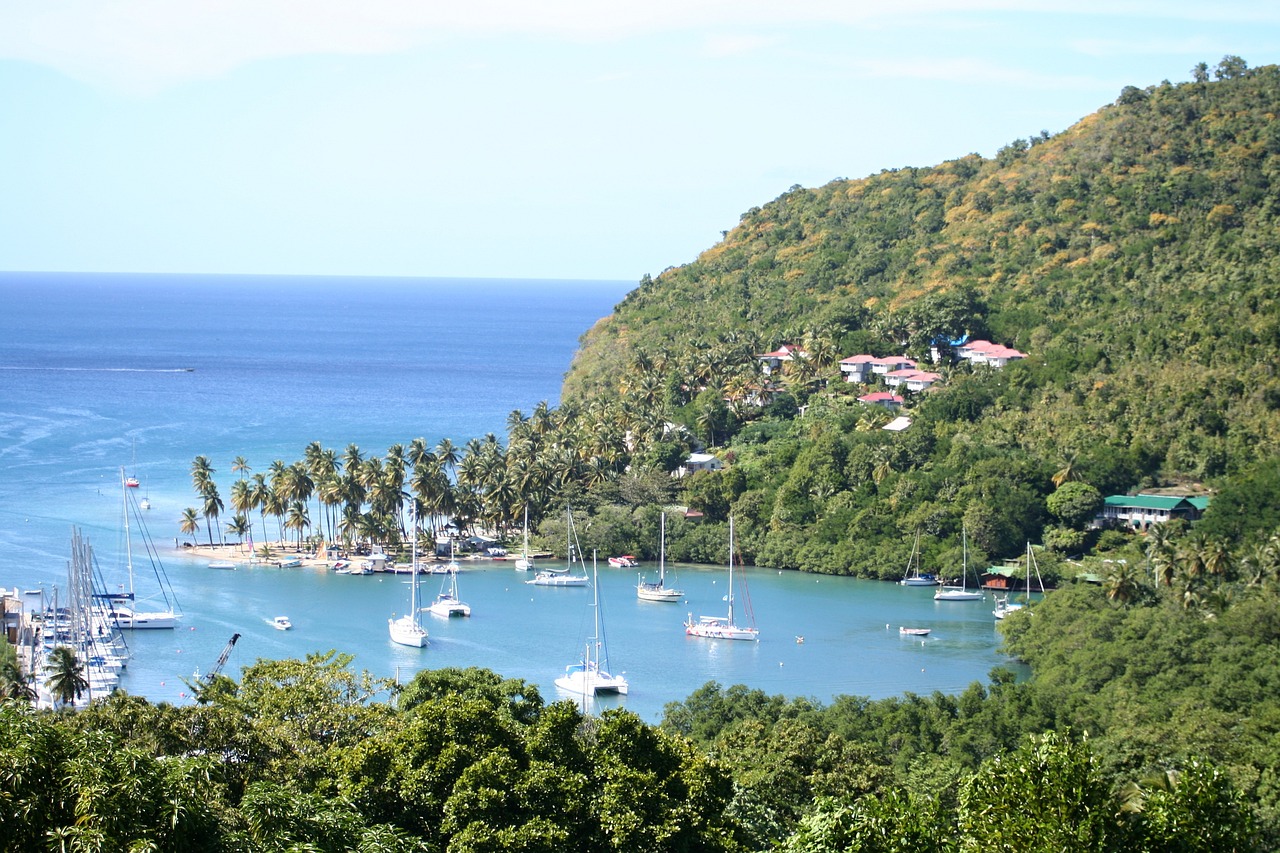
(1139, 512)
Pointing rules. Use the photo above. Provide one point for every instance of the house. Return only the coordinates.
(910, 379)
(1139, 512)
(856, 368)
(771, 362)
(985, 352)
(699, 462)
(886, 399)
(883, 366)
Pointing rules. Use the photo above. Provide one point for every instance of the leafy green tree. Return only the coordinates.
(1075, 503)
(1049, 795)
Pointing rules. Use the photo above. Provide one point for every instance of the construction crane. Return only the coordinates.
(222, 658)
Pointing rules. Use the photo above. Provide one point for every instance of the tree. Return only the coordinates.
(1048, 796)
(1074, 502)
(14, 683)
(66, 681)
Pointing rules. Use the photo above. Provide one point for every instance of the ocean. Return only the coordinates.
(145, 372)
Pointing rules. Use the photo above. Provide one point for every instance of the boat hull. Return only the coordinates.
(957, 595)
(407, 632)
(716, 628)
(645, 593)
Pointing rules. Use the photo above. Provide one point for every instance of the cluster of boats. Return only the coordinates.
(961, 592)
(591, 673)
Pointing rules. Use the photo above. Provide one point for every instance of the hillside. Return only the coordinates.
(1133, 257)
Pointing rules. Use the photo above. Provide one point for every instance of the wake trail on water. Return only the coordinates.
(100, 369)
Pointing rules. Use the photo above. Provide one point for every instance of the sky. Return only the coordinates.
(581, 139)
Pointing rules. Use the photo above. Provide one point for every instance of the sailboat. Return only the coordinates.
(563, 577)
(591, 675)
(650, 591)
(1003, 605)
(447, 602)
(951, 592)
(913, 576)
(408, 630)
(720, 627)
(125, 614)
(525, 563)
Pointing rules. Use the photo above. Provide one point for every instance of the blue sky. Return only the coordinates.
(503, 138)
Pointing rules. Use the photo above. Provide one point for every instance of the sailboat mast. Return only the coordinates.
(731, 570)
(413, 586)
(662, 552)
(128, 544)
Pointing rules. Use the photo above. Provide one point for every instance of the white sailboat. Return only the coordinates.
(659, 591)
(591, 674)
(913, 576)
(124, 606)
(525, 563)
(962, 592)
(407, 630)
(564, 577)
(1003, 605)
(720, 627)
(447, 602)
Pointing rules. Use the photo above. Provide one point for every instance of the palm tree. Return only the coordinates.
(190, 522)
(298, 519)
(66, 681)
(239, 524)
(14, 683)
(213, 507)
(240, 466)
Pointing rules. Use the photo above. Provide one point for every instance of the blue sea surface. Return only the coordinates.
(100, 372)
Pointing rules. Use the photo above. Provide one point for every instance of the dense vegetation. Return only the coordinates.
(1132, 256)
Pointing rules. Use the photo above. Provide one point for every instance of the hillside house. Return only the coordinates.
(856, 368)
(985, 352)
(885, 399)
(699, 462)
(771, 362)
(911, 379)
(885, 366)
(1139, 512)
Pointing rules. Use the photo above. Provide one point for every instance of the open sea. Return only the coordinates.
(145, 372)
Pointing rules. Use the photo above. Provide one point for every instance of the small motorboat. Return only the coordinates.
(281, 623)
(289, 562)
(341, 566)
(222, 564)
(624, 562)
(132, 482)
(914, 632)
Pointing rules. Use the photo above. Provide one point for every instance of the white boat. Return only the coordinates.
(659, 591)
(145, 503)
(407, 630)
(563, 577)
(914, 632)
(721, 627)
(951, 592)
(624, 562)
(913, 576)
(281, 623)
(1004, 606)
(289, 562)
(447, 602)
(525, 563)
(591, 675)
(222, 564)
(128, 616)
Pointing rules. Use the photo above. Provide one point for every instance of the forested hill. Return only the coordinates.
(1133, 257)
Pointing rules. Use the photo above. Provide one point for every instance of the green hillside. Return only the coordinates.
(1133, 257)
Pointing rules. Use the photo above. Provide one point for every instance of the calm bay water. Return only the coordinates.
(146, 372)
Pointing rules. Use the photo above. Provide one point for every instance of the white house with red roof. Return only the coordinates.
(985, 352)
(911, 379)
(772, 361)
(856, 368)
(885, 366)
(886, 399)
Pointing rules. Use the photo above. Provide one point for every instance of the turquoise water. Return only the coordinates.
(94, 376)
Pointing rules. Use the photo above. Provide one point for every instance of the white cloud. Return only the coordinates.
(722, 46)
(145, 45)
